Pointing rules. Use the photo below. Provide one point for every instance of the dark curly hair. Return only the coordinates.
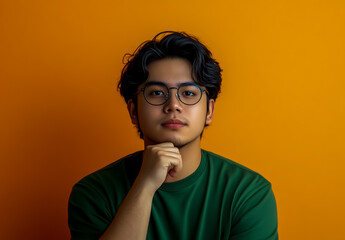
(205, 70)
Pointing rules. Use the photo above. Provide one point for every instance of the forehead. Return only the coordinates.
(171, 71)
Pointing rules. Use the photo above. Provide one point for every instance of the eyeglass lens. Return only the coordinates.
(157, 94)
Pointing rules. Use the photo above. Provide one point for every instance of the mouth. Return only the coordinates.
(173, 124)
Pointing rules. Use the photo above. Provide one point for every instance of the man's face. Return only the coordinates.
(173, 121)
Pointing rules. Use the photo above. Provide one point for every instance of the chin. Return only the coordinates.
(178, 142)
(178, 139)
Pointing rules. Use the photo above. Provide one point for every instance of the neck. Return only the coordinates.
(191, 157)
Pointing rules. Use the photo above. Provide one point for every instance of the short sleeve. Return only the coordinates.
(88, 214)
(256, 217)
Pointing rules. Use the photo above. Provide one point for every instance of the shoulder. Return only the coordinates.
(237, 181)
(251, 196)
(106, 186)
(119, 173)
(231, 169)
(95, 198)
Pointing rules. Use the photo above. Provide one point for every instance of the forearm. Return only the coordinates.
(132, 219)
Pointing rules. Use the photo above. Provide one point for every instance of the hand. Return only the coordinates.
(161, 162)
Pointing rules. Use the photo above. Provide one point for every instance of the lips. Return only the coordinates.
(173, 123)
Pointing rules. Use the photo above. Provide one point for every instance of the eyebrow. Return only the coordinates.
(162, 83)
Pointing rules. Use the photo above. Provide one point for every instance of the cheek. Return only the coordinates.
(146, 114)
(198, 116)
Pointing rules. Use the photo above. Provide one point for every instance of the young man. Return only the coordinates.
(172, 189)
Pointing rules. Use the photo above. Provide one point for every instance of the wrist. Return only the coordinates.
(144, 188)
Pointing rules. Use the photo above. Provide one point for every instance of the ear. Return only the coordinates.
(210, 110)
(132, 111)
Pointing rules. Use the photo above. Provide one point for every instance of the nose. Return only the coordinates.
(173, 104)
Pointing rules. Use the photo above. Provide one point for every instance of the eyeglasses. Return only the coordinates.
(157, 93)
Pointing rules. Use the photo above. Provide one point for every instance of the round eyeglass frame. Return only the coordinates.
(177, 92)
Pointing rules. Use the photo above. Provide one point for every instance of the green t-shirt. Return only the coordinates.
(220, 200)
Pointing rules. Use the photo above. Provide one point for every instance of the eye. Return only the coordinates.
(188, 94)
(157, 93)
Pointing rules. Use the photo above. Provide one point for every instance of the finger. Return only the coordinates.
(162, 150)
(164, 144)
(178, 167)
(172, 173)
(168, 154)
(175, 165)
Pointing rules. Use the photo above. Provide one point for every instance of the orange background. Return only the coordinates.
(281, 110)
